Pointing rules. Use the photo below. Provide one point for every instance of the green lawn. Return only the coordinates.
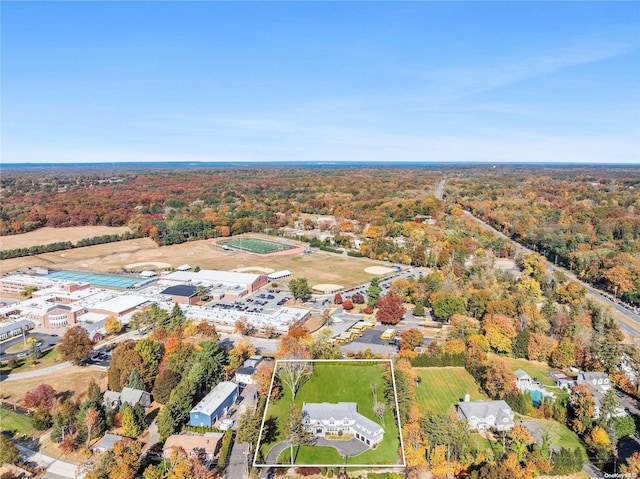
(312, 455)
(535, 369)
(15, 423)
(50, 358)
(339, 382)
(441, 388)
(561, 435)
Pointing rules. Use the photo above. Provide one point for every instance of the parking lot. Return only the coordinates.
(262, 301)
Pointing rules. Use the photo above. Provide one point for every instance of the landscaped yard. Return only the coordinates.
(50, 358)
(441, 388)
(334, 382)
(535, 369)
(561, 435)
(15, 423)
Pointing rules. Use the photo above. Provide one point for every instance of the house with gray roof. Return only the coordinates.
(135, 396)
(113, 399)
(329, 419)
(106, 443)
(483, 415)
(598, 384)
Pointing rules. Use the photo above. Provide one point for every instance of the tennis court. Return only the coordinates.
(255, 245)
(99, 279)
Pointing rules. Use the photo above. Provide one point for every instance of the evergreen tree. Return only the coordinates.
(135, 381)
(521, 344)
(373, 293)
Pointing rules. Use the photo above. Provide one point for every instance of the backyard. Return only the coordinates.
(350, 382)
(441, 388)
(14, 423)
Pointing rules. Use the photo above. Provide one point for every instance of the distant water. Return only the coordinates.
(179, 165)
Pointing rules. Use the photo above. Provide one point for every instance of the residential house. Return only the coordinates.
(562, 380)
(523, 380)
(598, 384)
(106, 443)
(483, 415)
(113, 399)
(245, 373)
(205, 447)
(214, 405)
(329, 419)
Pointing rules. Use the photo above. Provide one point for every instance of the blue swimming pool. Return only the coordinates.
(101, 279)
(536, 397)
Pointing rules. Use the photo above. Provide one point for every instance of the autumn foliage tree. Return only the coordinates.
(499, 380)
(390, 309)
(411, 338)
(43, 396)
(75, 345)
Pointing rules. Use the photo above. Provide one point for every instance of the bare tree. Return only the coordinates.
(378, 407)
(294, 373)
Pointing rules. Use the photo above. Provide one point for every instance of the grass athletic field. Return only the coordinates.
(255, 245)
(350, 382)
(442, 388)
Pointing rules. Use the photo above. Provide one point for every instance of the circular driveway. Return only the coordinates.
(47, 341)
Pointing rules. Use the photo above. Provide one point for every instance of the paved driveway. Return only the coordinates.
(349, 448)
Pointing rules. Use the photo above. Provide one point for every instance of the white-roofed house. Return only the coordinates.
(483, 415)
(323, 419)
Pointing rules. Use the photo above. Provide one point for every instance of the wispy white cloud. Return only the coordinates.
(445, 84)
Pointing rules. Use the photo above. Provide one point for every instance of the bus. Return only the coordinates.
(388, 335)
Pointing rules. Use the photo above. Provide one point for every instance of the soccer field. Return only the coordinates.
(255, 245)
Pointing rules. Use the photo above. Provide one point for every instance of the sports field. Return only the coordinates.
(255, 245)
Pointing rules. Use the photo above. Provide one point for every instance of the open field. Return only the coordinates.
(317, 267)
(350, 382)
(256, 245)
(441, 388)
(535, 369)
(13, 422)
(72, 380)
(53, 235)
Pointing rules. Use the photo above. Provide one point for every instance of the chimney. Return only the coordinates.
(467, 397)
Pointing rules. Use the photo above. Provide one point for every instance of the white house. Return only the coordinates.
(523, 380)
(483, 415)
(329, 419)
(598, 384)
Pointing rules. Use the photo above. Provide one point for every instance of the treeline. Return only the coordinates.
(62, 245)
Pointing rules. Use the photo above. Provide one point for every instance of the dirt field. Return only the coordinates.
(317, 267)
(73, 380)
(53, 235)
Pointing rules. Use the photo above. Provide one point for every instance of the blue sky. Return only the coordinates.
(332, 81)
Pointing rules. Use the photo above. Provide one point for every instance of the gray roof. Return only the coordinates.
(343, 410)
(522, 374)
(107, 442)
(215, 398)
(482, 409)
(111, 397)
(250, 371)
(590, 376)
(14, 325)
(132, 396)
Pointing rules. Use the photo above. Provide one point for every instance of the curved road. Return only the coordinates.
(630, 321)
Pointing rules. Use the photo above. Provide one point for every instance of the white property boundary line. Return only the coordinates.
(397, 414)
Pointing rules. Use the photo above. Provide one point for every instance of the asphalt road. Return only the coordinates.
(47, 341)
(631, 322)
